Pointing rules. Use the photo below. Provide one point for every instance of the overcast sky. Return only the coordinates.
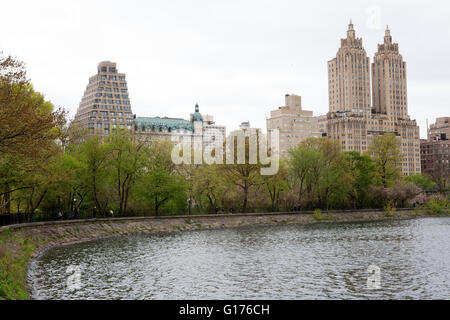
(237, 59)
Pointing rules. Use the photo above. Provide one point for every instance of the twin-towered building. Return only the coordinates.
(357, 113)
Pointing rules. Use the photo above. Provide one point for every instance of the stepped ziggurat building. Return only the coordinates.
(353, 118)
(106, 105)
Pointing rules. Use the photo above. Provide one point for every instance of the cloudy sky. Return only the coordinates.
(237, 59)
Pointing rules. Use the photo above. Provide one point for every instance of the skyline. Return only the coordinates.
(235, 70)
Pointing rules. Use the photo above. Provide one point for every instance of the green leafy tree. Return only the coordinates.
(29, 130)
(67, 188)
(244, 176)
(385, 151)
(209, 183)
(159, 186)
(302, 166)
(160, 183)
(317, 169)
(93, 156)
(362, 171)
(276, 184)
(29, 123)
(127, 160)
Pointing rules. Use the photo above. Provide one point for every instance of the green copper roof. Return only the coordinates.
(165, 123)
(196, 116)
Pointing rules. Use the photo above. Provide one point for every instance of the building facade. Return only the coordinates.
(442, 126)
(353, 119)
(293, 123)
(201, 131)
(322, 122)
(105, 103)
(435, 151)
(435, 156)
(213, 134)
(150, 129)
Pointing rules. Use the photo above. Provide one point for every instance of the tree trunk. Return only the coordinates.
(244, 206)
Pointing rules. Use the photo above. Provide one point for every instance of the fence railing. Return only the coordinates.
(13, 218)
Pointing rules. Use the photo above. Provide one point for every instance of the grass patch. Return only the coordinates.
(15, 252)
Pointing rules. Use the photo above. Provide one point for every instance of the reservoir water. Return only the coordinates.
(321, 261)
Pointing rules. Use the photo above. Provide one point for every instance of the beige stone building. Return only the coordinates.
(322, 122)
(105, 103)
(442, 126)
(353, 119)
(294, 124)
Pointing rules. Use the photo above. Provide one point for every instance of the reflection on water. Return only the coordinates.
(327, 261)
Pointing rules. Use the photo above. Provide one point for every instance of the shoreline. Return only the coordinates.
(22, 244)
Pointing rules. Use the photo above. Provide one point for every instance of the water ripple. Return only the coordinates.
(327, 261)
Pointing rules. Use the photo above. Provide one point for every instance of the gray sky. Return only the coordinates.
(237, 59)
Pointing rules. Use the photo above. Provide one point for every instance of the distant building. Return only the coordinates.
(322, 121)
(293, 123)
(106, 102)
(202, 131)
(150, 129)
(435, 156)
(244, 125)
(247, 129)
(213, 134)
(435, 150)
(442, 125)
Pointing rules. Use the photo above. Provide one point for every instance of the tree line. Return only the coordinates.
(48, 165)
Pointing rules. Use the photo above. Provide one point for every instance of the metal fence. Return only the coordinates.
(14, 218)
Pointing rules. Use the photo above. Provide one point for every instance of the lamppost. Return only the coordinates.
(75, 208)
(189, 205)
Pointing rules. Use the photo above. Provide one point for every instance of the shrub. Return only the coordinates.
(318, 215)
(389, 210)
(437, 206)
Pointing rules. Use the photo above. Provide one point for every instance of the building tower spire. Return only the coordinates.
(351, 31)
(387, 36)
